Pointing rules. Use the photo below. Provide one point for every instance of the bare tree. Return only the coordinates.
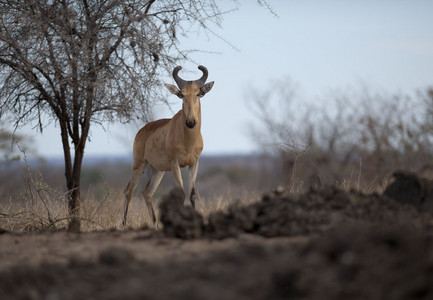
(79, 62)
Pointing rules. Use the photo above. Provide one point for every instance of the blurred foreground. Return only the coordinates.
(324, 244)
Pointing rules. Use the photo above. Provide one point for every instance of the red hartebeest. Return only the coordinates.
(170, 144)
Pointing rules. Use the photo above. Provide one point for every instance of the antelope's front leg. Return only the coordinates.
(192, 175)
(175, 168)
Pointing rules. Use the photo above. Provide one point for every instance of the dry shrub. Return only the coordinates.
(352, 138)
(38, 208)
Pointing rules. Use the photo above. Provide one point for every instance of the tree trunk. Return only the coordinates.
(74, 188)
(73, 174)
(74, 197)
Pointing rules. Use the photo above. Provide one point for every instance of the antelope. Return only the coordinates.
(170, 144)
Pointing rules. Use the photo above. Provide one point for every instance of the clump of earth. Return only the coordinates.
(279, 213)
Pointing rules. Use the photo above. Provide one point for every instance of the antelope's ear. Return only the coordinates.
(174, 90)
(206, 88)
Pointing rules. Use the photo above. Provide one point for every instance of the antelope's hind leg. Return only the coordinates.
(149, 190)
(137, 170)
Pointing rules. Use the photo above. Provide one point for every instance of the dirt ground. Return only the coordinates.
(324, 244)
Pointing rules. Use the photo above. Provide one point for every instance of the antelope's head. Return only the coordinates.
(190, 92)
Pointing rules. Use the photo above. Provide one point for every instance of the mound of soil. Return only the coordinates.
(281, 214)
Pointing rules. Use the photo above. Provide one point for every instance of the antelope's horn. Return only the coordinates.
(180, 82)
(200, 82)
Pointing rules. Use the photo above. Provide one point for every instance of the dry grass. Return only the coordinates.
(38, 207)
(37, 211)
(107, 214)
(42, 208)
(353, 182)
(221, 202)
(21, 216)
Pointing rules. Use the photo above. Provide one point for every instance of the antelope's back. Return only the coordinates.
(146, 132)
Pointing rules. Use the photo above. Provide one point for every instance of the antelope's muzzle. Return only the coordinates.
(190, 124)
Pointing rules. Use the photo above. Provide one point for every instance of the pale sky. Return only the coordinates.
(320, 45)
